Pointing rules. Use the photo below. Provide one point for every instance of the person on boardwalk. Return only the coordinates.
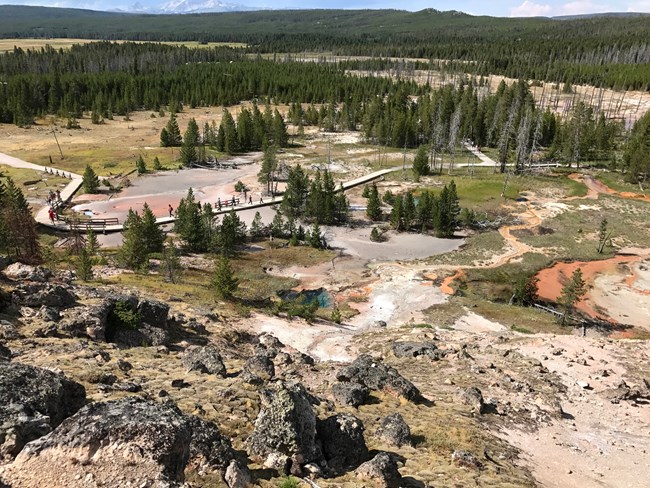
(50, 214)
(261, 201)
(233, 200)
(250, 200)
(58, 196)
(171, 210)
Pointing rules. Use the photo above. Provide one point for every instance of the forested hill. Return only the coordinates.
(25, 21)
(604, 50)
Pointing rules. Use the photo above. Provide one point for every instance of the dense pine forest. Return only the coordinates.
(603, 51)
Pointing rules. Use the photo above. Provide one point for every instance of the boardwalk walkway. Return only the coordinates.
(66, 194)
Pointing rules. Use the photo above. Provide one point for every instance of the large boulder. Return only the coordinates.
(122, 319)
(411, 349)
(342, 441)
(26, 272)
(33, 401)
(285, 426)
(127, 442)
(5, 353)
(377, 376)
(474, 399)
(39, 294)
(352, 394)
(154, 313)
(394, 431)
(204, 359)
(8, 331)
(382, 469)
(258, 368)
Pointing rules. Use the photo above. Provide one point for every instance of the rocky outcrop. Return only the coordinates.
(5, 353)
(39, 294)
(147, 325)
(127, 442)
(285, 427)
(258, 368)
(352, 394)
(204, 359)
(394, 431)
(415, 349)
(382, 469)
(342, 441)
(209, 450)
(474, 398)
(26, 272)
(33, 401)
(377, 376)
(8, 331)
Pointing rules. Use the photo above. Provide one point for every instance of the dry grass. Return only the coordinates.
(65, 43)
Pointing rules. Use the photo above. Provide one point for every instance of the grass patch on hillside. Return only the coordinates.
(34, 184)
(478, 247)
(616, 181)
(573, 234)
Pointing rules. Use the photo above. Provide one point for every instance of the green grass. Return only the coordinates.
(616, 181)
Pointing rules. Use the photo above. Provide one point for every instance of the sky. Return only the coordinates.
(507, 8)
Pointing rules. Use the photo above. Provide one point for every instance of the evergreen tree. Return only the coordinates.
(408, 210)
(315, 238)
(421, 163)
(232, 232)
(257, 227)
(83, 265)
(133, 253)
(90, 181)
(294, 200)
(173, 137)
(230, 136)
(18, 236)
(164, 137)
(279, 130)
(572, 292)
(373, 208)
(170, 263)
(152, 234)
(140, 165)
(224, 281)
(189, 153)
(277, 225)
(397, 214)
(269, 166)
(92, 244)
(189, 225)
(156, 164)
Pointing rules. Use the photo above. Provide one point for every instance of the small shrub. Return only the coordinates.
(336, 316)
(289, 482)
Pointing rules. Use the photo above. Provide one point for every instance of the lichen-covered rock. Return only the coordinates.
(286, 425)
(209, 450)
(26, 272)
(124, 442)
(394, 431)
(259, 366)
(342, 441)
(39, 294)
(204, 359)
(33, 401)
(474, 398)
(382, 469)
(5, 353)
(143, 336)
(414, 349)
(154, 313)
(8, 331)
(465, 459)
(352, 394)
(378, 376)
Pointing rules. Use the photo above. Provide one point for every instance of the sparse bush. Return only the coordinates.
(289, 482)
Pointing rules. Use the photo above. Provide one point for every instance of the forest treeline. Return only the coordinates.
(573, 50)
